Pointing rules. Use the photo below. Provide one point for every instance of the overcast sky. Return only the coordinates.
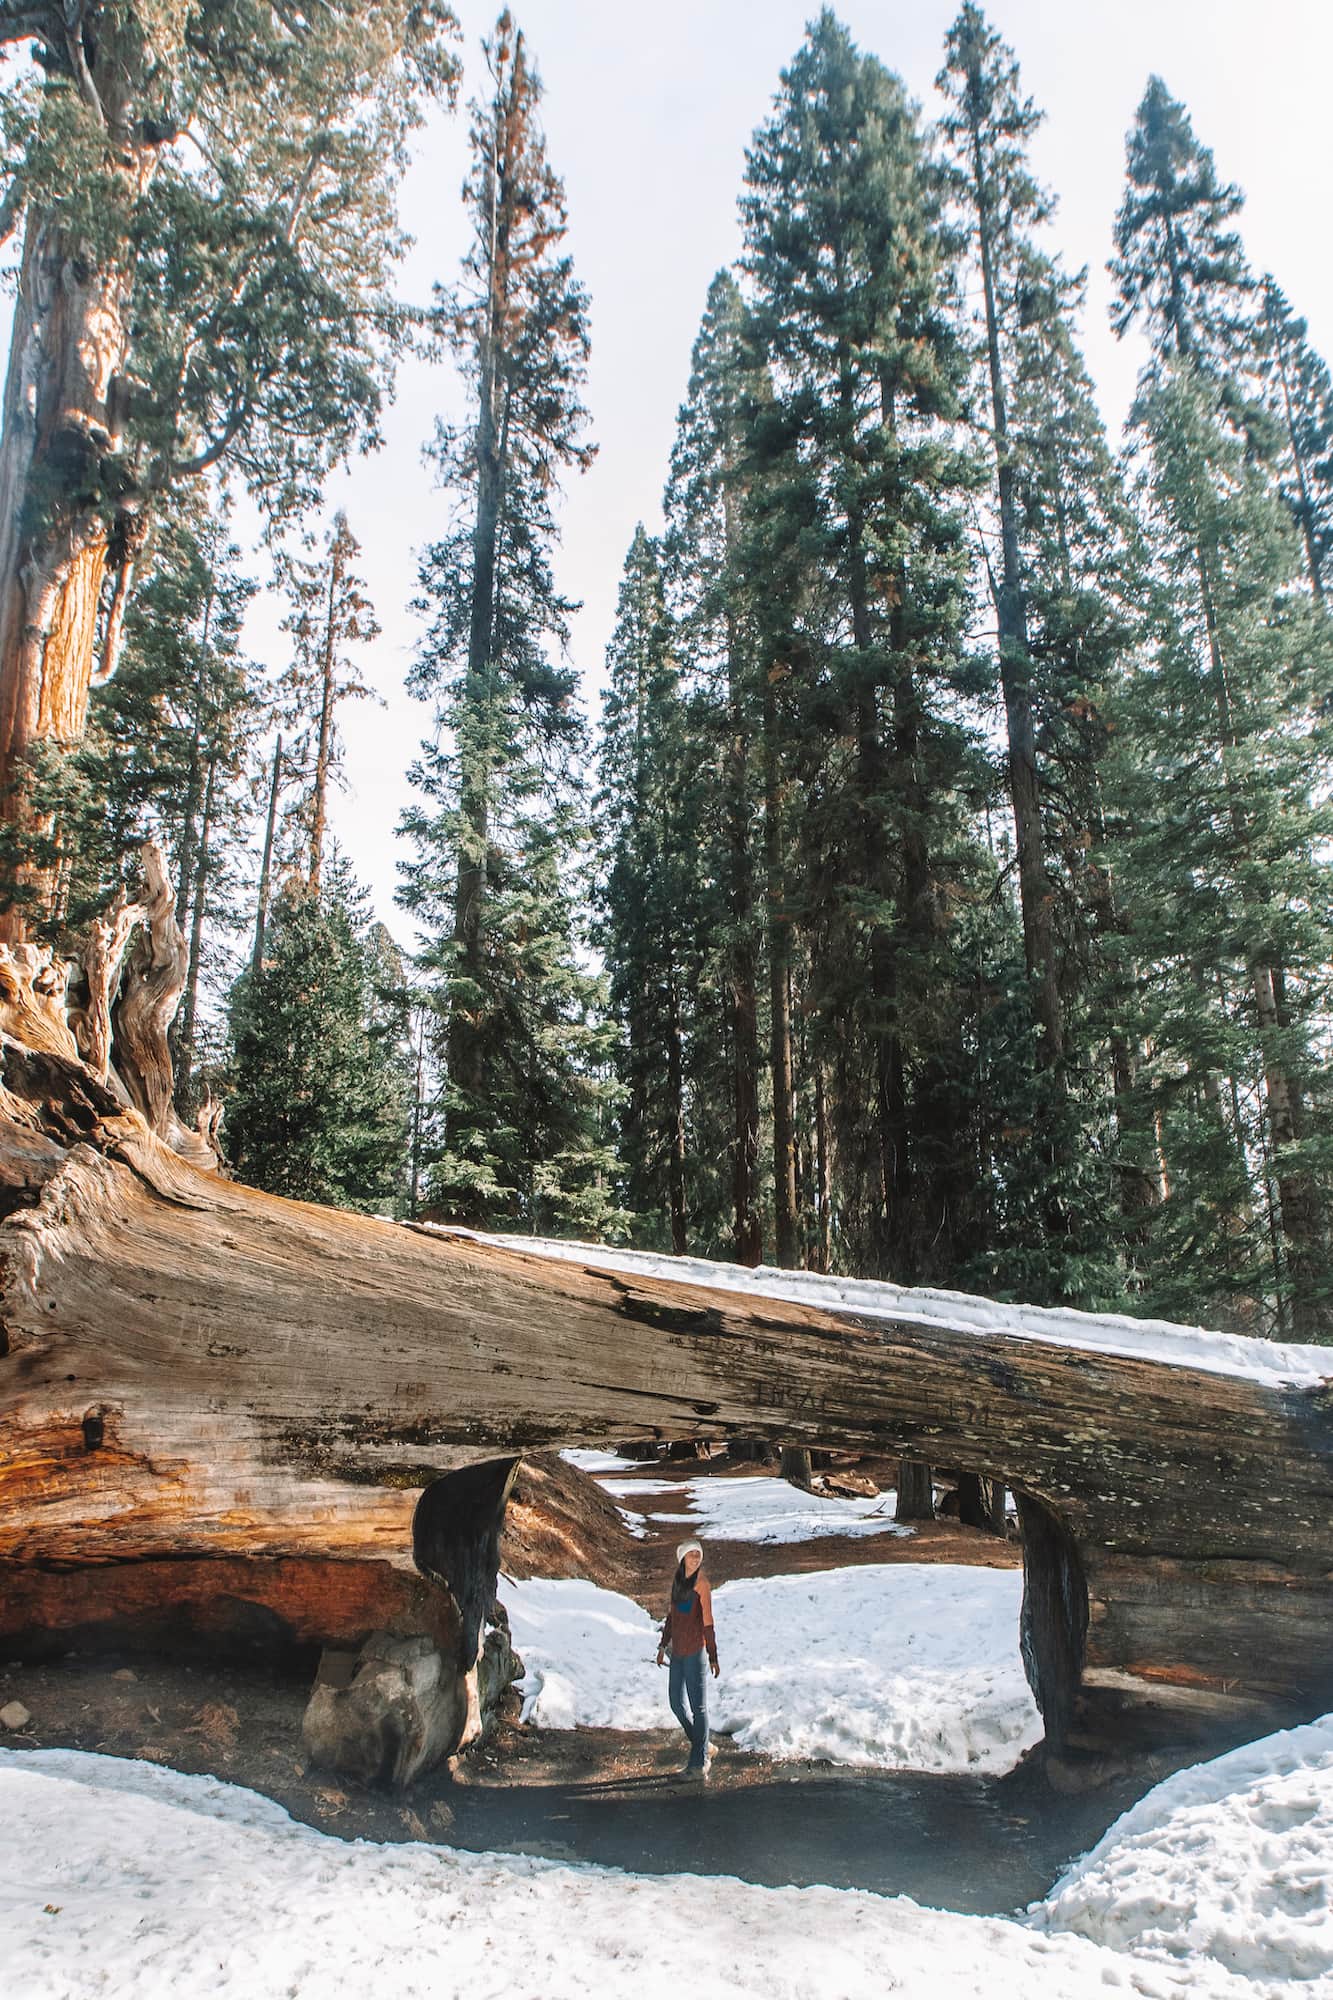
(648, 111)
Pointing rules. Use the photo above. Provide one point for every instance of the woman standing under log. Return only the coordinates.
(686, 1632)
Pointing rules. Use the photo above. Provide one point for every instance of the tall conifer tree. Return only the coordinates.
(650, 869)
(498, 836)
(208, 205)
(845, 251)
(704, 507)
(1057, 578)
(330, 613)
(1180, 267)
(1300, 394)
(318, 1104)
(1231, 747)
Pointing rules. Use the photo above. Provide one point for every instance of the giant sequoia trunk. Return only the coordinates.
(67, 513)
(216, 1406)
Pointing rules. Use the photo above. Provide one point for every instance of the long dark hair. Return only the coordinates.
(680, 1582)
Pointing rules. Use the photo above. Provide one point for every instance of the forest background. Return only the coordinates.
(651, 179)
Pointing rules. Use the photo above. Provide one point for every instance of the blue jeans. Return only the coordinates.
(687, 1680)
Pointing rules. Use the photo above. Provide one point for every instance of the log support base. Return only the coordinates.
(385, 1715)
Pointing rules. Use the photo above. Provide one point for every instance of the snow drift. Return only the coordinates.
(905, 1665)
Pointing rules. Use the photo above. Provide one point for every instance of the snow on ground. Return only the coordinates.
(1265, 1361)
(752, 1508)
(588, 1460)
(124, 1879)
(911, 1666)
(1229, 1862)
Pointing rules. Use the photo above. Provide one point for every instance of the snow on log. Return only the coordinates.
(238, 1397)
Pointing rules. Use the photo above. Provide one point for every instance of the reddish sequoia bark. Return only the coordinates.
(155, 978)
(67, 517)
(115, 1013)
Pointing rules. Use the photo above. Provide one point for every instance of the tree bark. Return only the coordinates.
(184, 1052)
(916, 1495)
(795, 1466)
(822, 1253)
(676, 1150)
(103, 956)
(62, 429)
(266, 864)
(786, 1253)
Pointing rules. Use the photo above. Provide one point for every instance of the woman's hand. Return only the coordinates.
(661, 1656)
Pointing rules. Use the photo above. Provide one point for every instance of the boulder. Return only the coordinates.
(397, 1707)
(387, 1714)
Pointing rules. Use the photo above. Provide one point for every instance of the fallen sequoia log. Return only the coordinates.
(218, 1408)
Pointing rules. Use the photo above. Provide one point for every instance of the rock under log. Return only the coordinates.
(195, 1374)
(387, 1714)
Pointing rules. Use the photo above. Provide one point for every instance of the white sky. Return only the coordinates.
(648, 111)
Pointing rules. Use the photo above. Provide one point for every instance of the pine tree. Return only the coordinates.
(498, 837)
(318, 1102)
(1221, 479)
(863, 488)
(1300, 396)
(1057, 581)
(330, 612)
(1181, 273)
(704, 502)
(1230, 741)
(646, 882)
(990, 124)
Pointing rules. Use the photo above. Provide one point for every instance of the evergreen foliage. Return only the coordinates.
(330, 612)
(861, 483)
(947, 898)
(1180, 270)
(499, 838)
(1299, 392)
(1227, 755)
(248, 211)
(1055, 559)
(318, 1054)
(710, 598)
(653, 788)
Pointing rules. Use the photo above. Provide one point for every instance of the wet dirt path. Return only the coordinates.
(976, 1845)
